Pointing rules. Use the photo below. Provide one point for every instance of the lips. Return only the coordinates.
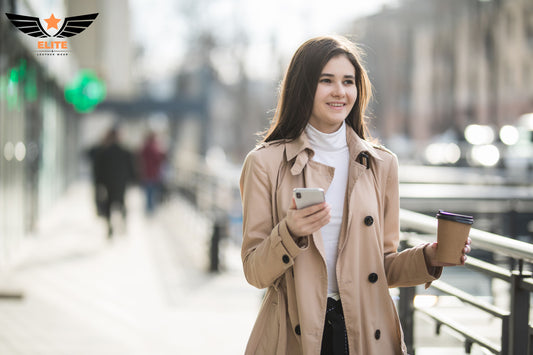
(336, 105)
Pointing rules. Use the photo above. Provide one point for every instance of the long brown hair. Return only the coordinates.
(298, 87)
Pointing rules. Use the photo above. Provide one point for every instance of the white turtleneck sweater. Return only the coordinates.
(331, 149)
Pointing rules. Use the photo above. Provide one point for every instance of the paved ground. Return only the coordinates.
(144, 292)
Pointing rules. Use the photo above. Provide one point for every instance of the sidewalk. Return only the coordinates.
(144, 292)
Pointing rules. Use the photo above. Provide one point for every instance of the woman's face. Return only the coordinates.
(335, 95)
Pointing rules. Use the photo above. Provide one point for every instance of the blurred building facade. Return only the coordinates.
(441, 65)
(41, 135)
(37, 155)
(107, 48)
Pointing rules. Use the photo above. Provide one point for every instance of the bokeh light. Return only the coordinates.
(486, 155)
(509, 135)
(479, 134)
(442, 153)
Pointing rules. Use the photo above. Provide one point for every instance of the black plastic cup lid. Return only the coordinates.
(449, 216)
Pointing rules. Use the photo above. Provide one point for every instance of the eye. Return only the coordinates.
(348, 82)
(325, 80)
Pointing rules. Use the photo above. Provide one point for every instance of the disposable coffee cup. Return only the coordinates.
(452, 233)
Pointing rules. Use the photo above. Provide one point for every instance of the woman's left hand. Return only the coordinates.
(430, 254)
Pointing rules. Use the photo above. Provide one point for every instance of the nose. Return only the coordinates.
(338, 90)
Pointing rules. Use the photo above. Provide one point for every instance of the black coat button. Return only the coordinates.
(373, 277)
(377, 334)
(286, 259)
(369, 220)
(297, 330)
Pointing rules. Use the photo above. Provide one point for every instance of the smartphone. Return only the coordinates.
(306, 197)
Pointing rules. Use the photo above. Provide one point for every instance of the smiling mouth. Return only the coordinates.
(336, 104)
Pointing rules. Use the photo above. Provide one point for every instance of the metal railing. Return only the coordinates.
(516, 334)
(212, 187)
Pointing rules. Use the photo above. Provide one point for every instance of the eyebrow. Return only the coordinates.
(331, 75)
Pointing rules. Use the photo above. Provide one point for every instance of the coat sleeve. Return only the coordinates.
(406, 268)
(268, 250)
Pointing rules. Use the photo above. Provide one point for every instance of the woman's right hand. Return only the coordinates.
(307, 220)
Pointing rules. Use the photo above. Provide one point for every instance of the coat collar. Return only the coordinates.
(301, 149)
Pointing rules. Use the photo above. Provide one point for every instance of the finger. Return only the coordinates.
(433, 247)
(293, 204)
(314, 222)
(308, 211)
(321, 218)
(317, 216)
(317, 225)
(314, 210)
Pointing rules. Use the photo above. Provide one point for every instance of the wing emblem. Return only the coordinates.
(74, 25)
(29, 25)
(32, 25)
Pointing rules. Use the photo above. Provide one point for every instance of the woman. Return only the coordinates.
(328, 267)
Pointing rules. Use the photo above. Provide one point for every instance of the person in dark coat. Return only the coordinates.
(113, 171)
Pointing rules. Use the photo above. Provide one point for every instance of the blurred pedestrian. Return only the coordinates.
(91, 154)
(327, 267)
(114, 170)
(152, 158)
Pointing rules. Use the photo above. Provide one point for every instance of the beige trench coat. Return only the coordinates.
(292, 314)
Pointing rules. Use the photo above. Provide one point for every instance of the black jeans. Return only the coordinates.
(334, 338)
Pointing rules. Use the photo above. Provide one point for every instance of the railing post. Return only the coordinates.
(219, 232)
(519, 318)
(530, 344)
(505, 335)
(406, 311)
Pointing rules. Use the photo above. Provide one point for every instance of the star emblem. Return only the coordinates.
(32, 26)
(52, 22)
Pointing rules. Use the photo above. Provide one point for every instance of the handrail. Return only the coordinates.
(468, 298)
(470, 337)
(482, 240)
(212, 186)
(488, 269)
(516, 336)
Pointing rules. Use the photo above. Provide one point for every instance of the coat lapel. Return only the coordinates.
(318, 175)
(356, 146)
(314, 174)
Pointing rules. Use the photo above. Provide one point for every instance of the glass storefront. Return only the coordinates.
(38, 149)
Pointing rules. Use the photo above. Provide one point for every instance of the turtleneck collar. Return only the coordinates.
(326, 141)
